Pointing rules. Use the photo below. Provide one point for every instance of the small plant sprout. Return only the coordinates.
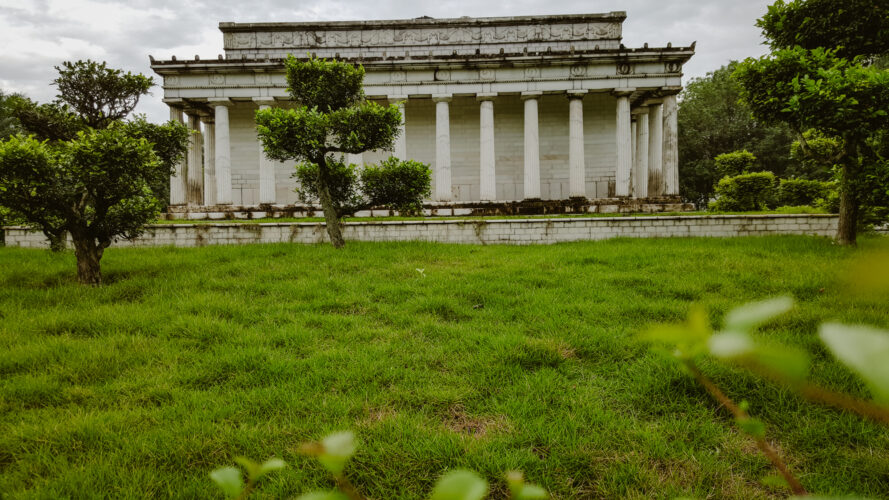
(520, 490)
(422, 272)
(864, 350)
(460, 485)
(231, 482)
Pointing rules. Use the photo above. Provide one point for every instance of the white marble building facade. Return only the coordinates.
(503, 109)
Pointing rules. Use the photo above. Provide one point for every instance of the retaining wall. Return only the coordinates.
(502, 231)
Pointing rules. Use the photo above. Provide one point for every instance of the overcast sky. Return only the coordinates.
(36, 35)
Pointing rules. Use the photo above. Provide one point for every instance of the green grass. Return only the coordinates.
(781, 210)
(494, 358)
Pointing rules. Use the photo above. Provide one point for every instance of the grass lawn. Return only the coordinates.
(493, 358)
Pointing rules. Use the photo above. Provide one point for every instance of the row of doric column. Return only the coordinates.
(646, 151)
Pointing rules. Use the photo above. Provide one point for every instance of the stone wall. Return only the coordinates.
(503, 231)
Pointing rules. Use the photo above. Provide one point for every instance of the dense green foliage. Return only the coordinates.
(397, 184)
(798, 192)
(332, 118)
(401, 185)
(96, 187)
(188, 358)
(9, 124)
(817, 77)
(100, 95)
(734, 163)
(82, 170)
(745, 192)
(342, 181)
(854, 27)
(712, 121)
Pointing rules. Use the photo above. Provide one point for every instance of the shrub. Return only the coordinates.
(342, 182)
(400, 184)
(734, 163)
(796, 192)
(745, 192)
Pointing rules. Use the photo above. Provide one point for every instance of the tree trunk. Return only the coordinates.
(58, 242)
(331, 218)
(847, 229)
(88, 255)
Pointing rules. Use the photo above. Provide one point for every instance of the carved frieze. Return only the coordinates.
(532, 72)
(672, 67)
(444, 35)
(578, 70)
(217, 79)
(486, 74)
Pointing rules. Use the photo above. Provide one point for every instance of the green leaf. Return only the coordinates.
(788, 362)
(730, 344)
(229, 481)
(337, 449)
(531, 492)
(250, 466)
(270, 465)
(323, 495)
(748, 316)
(460, 485)
(863, 349)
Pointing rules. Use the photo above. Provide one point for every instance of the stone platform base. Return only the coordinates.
(480, 208)
(477, 231)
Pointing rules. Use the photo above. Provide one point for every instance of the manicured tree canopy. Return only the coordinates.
(82, 170)
(96, 187)
(332, 118)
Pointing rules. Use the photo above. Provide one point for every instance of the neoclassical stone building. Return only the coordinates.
(503, 109)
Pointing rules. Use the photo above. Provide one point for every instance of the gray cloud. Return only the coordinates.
(42, 33)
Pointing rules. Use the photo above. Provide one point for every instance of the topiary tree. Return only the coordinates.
(333, 118)
(734, 163)
(745, 192)
(96, 184)
(97, 187)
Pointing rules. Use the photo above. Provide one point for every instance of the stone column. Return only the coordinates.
(532, 146)
(671, 147)
(223, 151)
(178, 181)
(624, 144)
(576, 159)
(210, 186)
(655, 150)
(632, 151)
(195, 193)
(266, 166)
(487, 172)
(443, 191)
(400, 150)
(640, 182)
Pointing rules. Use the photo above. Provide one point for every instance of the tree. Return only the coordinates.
(333, 118)
(96, 184)
(818, 77)
(92, 95)
(9, 124)
(96, 187)
(712, 121)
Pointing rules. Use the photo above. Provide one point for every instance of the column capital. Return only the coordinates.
(219, 101)
(623, 92)
(264, 101)
(670, 90)
(441, 97)
(174, 102)
(576, 94)
(640, 110)
(531, 95)
(485, 96)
